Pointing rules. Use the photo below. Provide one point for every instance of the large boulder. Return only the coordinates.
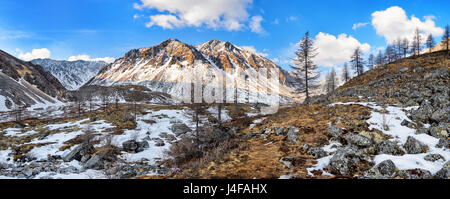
(180, 128)
(358, 140)
(78, 152)
(292, 134)
(413, 146)
(440, 115)
(439, 131)
(134, 146)
(344, 161)
(444, 173)
(384, 170)
(388, 147)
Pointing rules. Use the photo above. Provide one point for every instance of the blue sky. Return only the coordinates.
(109, 28)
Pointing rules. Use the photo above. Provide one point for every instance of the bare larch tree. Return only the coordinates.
(430, 42)
(358, 61)
(446, 37)
(305, 71)
(345, 73)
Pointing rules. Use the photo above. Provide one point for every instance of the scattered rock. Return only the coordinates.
(439, 132)
(134, 146)
(358, 140)
(180, 128)
(434, 157)
(317, 152)
(444, 173)
(413, 146)
(292, 134)
(413, 174)
(291, 161)
(384, 170)
(335, 132)
(443, 143)
(79, 152)
(159, 142)
(130, 145)
(440, 115)
(343, 161)
(388, 147)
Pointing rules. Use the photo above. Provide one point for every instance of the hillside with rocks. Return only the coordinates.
(390, 122)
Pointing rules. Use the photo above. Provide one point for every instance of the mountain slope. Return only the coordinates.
(34, 74)
(169, 66)
(72, 74)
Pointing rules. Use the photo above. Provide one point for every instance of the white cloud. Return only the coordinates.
(393, 23)
(255, 24)
(41, 53)
(228, 14)
(336, 50)
(165, 21)
(252, 49)
(359, 25)
(88, 58)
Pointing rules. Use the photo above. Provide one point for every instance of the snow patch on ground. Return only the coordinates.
(400, 133)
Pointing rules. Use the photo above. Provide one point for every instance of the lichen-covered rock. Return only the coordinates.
(434, 157)
(334, 132)
(439, 131)
(343, 161)
(388, 147)
(443, 143)
(413, 146)
(444, 173)
(180, 128)
(384, 170)
(413, 174)
(317, 152)
(440, 115)
(358, 140)
(78, 152)
(292, 134)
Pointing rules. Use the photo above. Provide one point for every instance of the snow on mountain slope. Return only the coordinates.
(72, 74)
(172, 65)
(14, 94)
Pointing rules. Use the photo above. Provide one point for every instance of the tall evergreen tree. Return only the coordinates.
(430, 42)
(446, 37)
(358, 61)
(305, 71)
(345, 73)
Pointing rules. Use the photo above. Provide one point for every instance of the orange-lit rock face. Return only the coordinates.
(171, 60)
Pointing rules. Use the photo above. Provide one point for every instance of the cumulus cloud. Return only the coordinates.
(228, 14)
(88, 58)
(41, 53)
(393, 23)
(252, 49)
(334, 50)
(255, 25)
(359, 25)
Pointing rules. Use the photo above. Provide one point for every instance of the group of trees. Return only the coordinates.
(306, 74)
